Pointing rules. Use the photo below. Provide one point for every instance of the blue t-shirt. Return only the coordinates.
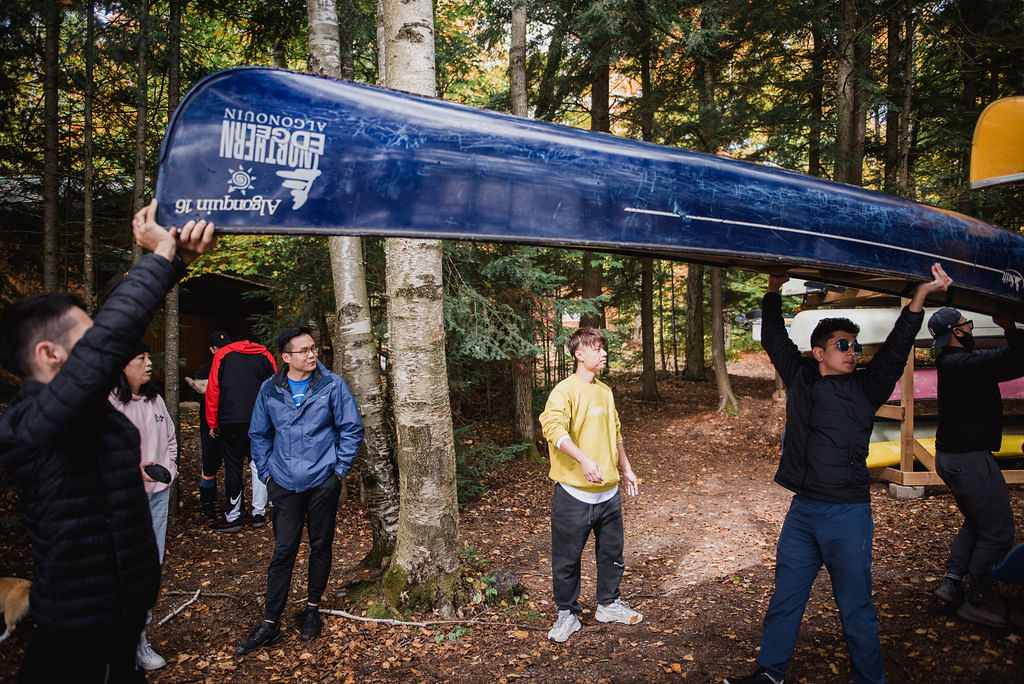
(299, 388)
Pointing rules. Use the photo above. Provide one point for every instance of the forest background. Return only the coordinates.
(877, 93)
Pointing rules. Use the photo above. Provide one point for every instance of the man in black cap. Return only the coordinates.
(212, 455)
(970, 428)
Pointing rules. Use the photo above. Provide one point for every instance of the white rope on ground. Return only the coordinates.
(400, 623)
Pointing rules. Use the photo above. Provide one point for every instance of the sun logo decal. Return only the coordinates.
(241, 179)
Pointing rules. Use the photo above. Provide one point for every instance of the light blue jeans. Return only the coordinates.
(158, 512)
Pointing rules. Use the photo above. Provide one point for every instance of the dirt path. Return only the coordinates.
(700, 546)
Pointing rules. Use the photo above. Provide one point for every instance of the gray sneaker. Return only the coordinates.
(565, 626)
(146, 657)
(618, 611)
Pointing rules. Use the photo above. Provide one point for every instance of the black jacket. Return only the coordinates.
(74, 460)
(236, 374)
(970, 406)
(829, 418)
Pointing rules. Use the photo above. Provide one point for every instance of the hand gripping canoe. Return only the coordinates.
(261, 150)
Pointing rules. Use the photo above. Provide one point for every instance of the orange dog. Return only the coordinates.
(14, 601)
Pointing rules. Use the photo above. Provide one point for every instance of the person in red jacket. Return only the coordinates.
(237, 372)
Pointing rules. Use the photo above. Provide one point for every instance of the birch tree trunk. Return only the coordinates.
(141, 100)
(88, 264)
(355, 352)
(725, 393)
(50, 146)
(425, 568)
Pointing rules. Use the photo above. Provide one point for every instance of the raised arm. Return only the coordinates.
(889, 361)
(785, 355)
(94, 362)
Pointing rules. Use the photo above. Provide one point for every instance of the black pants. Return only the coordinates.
(212, 458)
(981, 495)
(102, 654)
(237, 450)
(317, 510)
(571, 524)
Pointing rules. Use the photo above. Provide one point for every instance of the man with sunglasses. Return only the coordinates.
(829, 412)
(970, 428)
(305, 433)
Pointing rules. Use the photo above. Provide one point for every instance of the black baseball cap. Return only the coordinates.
(219, 338)
(941, 325)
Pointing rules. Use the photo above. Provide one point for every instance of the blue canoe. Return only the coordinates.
(268, 151)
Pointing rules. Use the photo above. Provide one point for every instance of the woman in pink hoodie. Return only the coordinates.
(137, 398)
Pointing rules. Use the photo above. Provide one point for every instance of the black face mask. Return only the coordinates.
(967, 341)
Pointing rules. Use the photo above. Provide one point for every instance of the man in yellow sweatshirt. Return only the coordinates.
(585, 446)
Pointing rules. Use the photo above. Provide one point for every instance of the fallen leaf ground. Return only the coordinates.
(700, 544)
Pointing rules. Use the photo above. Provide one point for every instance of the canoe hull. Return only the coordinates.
(268, 151)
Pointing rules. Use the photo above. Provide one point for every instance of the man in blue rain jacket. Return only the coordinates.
(305, 433)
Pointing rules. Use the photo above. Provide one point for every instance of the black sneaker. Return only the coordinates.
(223, 525)
(259, 520)
(951, 591)
(208, 511)
(312, 623)
(266, 634)
(759, 677)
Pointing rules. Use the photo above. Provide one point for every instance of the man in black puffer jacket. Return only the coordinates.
(74, 461)
(970, 428)
(829, 411)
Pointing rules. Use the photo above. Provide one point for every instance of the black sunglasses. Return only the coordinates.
(968, 323)
(845, 346)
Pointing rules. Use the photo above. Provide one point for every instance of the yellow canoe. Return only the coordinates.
(883, 454)
(997, 151)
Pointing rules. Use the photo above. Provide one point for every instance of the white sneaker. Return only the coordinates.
(146, 657)
(565, 626)
(617, 611)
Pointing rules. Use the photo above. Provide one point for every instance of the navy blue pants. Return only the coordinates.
(838, 535)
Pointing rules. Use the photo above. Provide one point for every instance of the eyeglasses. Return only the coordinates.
(968, 323)
(308, 351)
(845, 346)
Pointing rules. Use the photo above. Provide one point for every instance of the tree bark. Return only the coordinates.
(425, 568)
(693, 363)
(593, 271)
(88, 264)
(521, 367)
(517, 61)
(650, 371)
(548, 100)
(141, 101)
(893, 101)
(355, 349)
(346, 36)
(905, 183)
(51, 178)
(850, 96)
(172, 327)
(817, 104)
(725, 393)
